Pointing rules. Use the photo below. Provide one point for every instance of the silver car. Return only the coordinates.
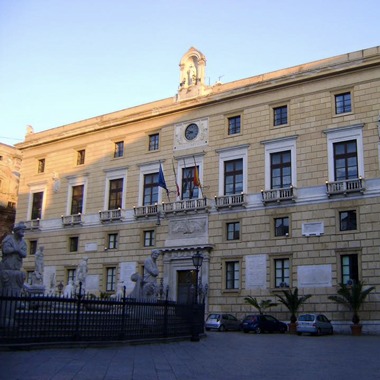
(222, 322)
(316, 324)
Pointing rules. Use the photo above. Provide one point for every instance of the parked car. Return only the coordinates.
(263, 323)
(316, 324)
(222, 322)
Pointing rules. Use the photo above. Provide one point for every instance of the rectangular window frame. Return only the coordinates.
(73, 244)
(281, 231)
(343, 103)
(234, 124)
(33, 244)
(353, 224)
(149, 238)
(110, 272)
(41, 165)
(275, 283)
(118, 149)
(153, 142)
(232, 231)
(80, 157)
(230, 282)
(112, 240)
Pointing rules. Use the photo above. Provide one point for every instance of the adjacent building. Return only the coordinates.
(274, 179)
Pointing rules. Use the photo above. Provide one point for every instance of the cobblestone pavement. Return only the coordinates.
(218, 356)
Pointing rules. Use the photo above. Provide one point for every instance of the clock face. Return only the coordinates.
(191, 131)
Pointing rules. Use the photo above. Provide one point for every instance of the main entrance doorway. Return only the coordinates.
(185, 286)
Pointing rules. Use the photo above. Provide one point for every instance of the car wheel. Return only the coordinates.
(222, 328)
(258, 330)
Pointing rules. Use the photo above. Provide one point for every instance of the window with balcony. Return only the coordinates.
(345, 160)
(115, 199)
(118, 149)
(234, 127)
(154, 142)
(37, 201)
(281, 226)
(73, 243)
(233, 177)
(149, 238)
(110, 279)
(280, 115)
(343, 103)
(347, 220)
(349, 268)
(281, 170)
(233, 231)
(41, 165)
(282, 273)
(190, 188)
(150, 189)
(112, 241)
(77, 199)
(232, 274)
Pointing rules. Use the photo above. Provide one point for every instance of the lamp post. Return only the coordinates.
(197, 262)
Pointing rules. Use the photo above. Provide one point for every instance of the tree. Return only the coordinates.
(352, 297)
(260, 306)
(292, 301)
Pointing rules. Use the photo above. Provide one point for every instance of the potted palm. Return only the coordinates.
(292, 300)
(353, 297)
(260, 306)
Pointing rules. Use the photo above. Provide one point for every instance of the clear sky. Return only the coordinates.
(63, 61)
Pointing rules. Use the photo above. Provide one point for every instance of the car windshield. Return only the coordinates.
(306, 318)
(214, 316)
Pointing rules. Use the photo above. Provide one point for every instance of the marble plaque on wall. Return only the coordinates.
(126, 271)
(92, 283)
(255, 271)
(187, 231)
(91, 247)
(314, 276)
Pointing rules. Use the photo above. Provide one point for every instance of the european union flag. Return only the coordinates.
(161, 180)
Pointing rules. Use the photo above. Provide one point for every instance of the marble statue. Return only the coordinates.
(81, 275)
(38, 274)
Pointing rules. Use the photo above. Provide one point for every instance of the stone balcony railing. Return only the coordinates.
(279, 195)
(145, 211)
(110, 215)
(230, 201)
(33, 224)
(345, 187)
(71, 220)
(185, 206)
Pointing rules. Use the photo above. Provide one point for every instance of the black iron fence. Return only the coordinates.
(38, 318)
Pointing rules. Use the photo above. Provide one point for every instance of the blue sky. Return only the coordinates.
(63, 61)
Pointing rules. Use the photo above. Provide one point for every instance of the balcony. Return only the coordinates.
(345, 187)
(33, 224)
(279, 195)
(230, 201)
(71, 220)
(110, 215)
(185, 206)
(145, 211)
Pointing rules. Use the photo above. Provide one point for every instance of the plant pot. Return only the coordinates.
(356, 330)
(292, 327)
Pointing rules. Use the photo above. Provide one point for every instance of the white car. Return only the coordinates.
(316, 324)
(222, 322)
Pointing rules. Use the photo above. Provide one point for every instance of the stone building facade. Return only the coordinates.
(10, 164)
(274, 179)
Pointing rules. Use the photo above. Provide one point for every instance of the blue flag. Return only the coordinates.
(161, 180)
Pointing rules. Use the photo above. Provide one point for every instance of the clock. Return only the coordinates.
(191, 131)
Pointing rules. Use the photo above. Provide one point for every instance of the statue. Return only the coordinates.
(14, 251)
(69, 289)
(81, 274)
(150, 287)
(38, 274)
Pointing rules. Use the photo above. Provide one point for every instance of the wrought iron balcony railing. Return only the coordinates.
(345, 187)
(33, 224)
(279, 195)
(185, 206)
(229, 201)
(110, 215)
(70, 220)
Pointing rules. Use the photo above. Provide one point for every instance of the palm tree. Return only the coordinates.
(292, 301)
(260, 306)
(352, 297)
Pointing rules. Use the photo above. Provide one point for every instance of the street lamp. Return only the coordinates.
(197, 262)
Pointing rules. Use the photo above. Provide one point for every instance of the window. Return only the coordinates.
(350, 271)
(150, 189)
(77, 200)
(347, 220)
(282, 273)
(29, 277)
(345, 160)
(149, 238)
(233, 231)
(281, 226)
(32, 247)
(41, 165)
(154, 141)
(119, 149)
(190, 190)
(112, 241)
(233, 125)
(37, 199)
(233, 177)
(70, 275)
(232, 274)
(81, 156)
(281, 170)
(73, 243)
(280, 115)
(115, 194)
(343, 103)
(110, 279)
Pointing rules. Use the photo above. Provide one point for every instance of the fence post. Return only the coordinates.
(77, 323)
(166, 316)
(123, 315)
